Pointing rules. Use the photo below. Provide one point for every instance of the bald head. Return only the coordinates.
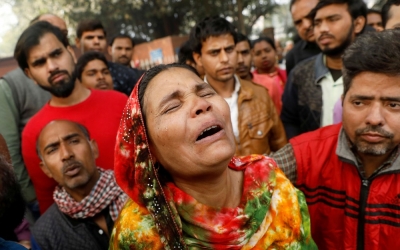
(68, 156)
(54, 20)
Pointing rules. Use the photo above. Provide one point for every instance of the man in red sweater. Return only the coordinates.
(43, 54)
(350, 172)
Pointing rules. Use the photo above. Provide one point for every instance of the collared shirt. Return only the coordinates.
(331, 93)
(286, 159)
(102, 238)
(345, 151)
(233, 106)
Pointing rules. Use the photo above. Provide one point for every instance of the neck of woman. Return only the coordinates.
(222, 191)
(266, 71)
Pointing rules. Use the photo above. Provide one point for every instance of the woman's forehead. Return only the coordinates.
(171, 80)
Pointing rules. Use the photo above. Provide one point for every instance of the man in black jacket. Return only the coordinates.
(87, 201)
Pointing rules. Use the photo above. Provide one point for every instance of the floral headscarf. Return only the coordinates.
(159, 215)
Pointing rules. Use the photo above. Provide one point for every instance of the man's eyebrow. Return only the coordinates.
(213, 50)
(65, 138)
(390, 98)
(56, 51)
(362, 97)
(39, 61)
(90, 70)
(327, 17)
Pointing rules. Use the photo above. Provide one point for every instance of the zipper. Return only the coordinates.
(365, 186)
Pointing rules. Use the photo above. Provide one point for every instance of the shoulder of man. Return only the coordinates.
(304, 71)
(53, 230)
(111, 95)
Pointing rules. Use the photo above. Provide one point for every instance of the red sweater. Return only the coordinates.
(100, 113)
(346, 211)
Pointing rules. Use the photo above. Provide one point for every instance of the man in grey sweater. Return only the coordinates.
(20, 99)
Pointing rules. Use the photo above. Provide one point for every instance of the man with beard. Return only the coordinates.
(91, 36)
(306, 47)
(120, 49)
(350, 172)
(45, 56)
(316, 84)
(20, 99)
(92, 71)
(87, 198)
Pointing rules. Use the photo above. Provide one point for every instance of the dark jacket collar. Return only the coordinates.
(320, 68)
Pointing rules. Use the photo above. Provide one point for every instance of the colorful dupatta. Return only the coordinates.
(272, 213)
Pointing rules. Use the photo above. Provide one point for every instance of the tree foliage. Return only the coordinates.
(148, 19)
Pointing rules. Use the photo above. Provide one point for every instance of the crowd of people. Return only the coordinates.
(226, 149)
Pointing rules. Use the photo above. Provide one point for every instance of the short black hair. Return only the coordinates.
(31, 37)
(82, 128)
(121, 36)
(153, 72)
(265, 39)
(386, 10)
(373, 11)
(210, 26)
(89, 25)
(85, 59)
(186, 52)
(243, 38)
(377, 52)
(356, 8)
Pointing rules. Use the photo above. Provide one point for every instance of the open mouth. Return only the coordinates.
(209, 132)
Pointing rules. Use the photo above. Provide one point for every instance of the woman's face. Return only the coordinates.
(188, 124)
(264, 56)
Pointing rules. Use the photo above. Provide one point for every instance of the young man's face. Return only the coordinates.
(95, 75)
(335, 29)
(375, 21)
(121, 51)
(244, 59)
(393, 18)
(218, 57)
(92, 41)
(50, 65)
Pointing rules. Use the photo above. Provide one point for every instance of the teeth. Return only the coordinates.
(205, 130)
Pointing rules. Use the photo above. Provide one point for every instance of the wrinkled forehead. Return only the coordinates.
(301, 8)
(170, 81)
(56, 130)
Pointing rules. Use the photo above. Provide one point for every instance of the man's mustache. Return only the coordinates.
(375, 129)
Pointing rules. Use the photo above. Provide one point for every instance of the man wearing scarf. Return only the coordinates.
(87, 200)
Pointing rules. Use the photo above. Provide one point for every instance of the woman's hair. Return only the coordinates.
(265, 39)
(151, 73)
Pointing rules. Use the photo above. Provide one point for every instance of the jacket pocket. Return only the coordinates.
(259, 126)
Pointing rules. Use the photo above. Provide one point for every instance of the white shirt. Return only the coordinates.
(331, 93)
(233, 106)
